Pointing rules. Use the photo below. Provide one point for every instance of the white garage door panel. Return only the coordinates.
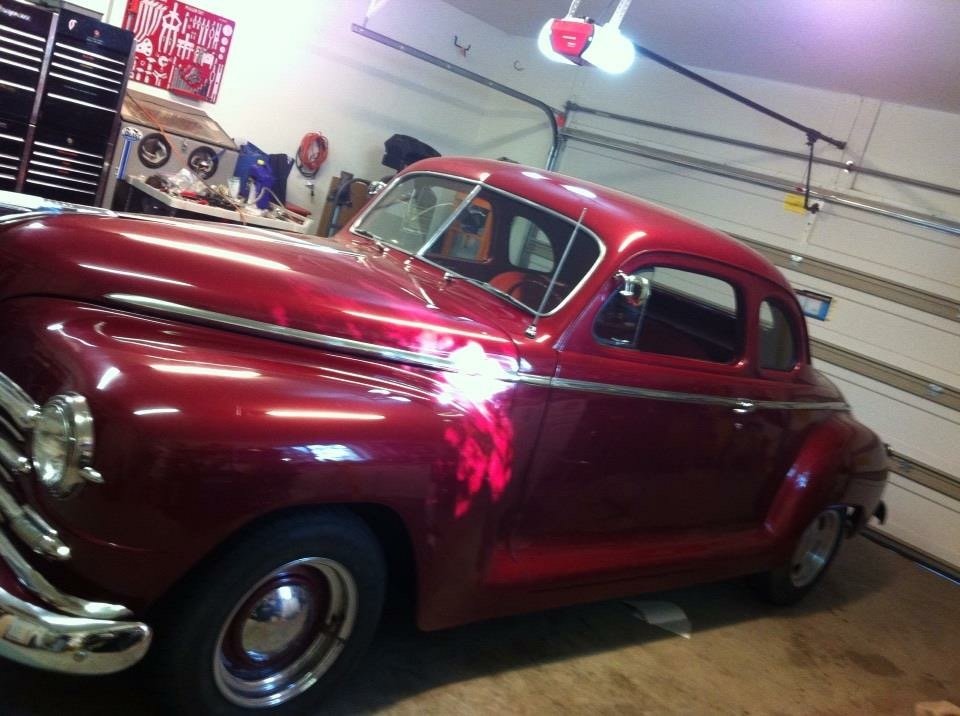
(904, 253)
(917, 428)
(896, 146)
(884, 306)
(721, 203)
(859, 323)
(923, 519)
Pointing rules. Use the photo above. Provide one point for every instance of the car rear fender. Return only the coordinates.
(842, 463)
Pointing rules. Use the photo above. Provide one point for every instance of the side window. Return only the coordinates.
(687, 314)
(778, 344)
(529, 247)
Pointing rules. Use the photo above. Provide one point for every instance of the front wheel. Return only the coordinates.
(276, 621)
(812, 555)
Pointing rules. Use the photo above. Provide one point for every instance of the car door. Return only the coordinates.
(648, 436)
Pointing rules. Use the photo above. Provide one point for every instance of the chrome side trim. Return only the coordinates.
(373, 350)
(17, 404)
(348, 345)
(739, 404)
(541, 381)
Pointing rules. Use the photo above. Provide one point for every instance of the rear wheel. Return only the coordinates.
(276, 622)
(812, 555)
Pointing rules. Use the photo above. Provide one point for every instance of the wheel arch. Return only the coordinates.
(385, 523)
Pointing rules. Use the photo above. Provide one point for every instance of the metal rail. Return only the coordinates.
(812, 134)
(758, 179)
(802, 156)
(473, 76)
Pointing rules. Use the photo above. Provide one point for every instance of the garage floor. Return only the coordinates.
(878, 635)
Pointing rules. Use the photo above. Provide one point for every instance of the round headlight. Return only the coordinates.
(62, 446)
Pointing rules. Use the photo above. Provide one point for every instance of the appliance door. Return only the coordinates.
(65, 166)
(23, 39)
(13, 137)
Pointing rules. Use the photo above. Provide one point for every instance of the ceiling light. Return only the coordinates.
(579, 41)
(609, 50)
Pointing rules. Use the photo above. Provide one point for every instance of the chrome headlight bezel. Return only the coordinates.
(65, 419)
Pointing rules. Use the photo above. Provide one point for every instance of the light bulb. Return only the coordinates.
(609, 50)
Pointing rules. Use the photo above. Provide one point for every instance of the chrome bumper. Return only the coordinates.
(68, 634)
(37, 637)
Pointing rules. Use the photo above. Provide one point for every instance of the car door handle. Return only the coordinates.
(744, 406)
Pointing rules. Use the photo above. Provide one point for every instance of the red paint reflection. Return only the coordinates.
(483, 435)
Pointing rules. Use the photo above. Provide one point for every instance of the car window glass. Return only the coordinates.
(529, 246)
(510, 249)
(687, 314)
(508, 246)
(777, 341)
(413, 210)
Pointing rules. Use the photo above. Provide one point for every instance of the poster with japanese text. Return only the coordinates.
(179, 47)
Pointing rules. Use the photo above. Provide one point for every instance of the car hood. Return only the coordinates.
(344, 294)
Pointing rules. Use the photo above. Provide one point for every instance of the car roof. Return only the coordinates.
(625, 223)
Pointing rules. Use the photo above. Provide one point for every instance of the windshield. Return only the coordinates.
(507, 246)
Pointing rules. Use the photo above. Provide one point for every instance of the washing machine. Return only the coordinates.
(168, 136)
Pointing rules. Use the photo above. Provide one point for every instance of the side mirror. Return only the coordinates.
(636, 289)
(375, 187)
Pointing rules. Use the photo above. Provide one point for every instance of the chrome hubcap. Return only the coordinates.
(285, 633)
(815, 547)
(275, 622)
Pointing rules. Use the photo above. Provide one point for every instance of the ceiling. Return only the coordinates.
(903, 51)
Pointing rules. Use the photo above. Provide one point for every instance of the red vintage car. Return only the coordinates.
(508, 388)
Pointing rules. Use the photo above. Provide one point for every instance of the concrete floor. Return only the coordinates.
(878, 635)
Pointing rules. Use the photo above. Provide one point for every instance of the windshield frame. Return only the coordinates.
(477, 186)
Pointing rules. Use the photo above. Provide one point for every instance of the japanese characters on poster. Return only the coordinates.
(179, 47)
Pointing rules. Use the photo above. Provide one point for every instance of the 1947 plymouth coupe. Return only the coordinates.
(508, 388)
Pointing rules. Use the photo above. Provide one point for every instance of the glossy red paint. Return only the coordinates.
(515, 494)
